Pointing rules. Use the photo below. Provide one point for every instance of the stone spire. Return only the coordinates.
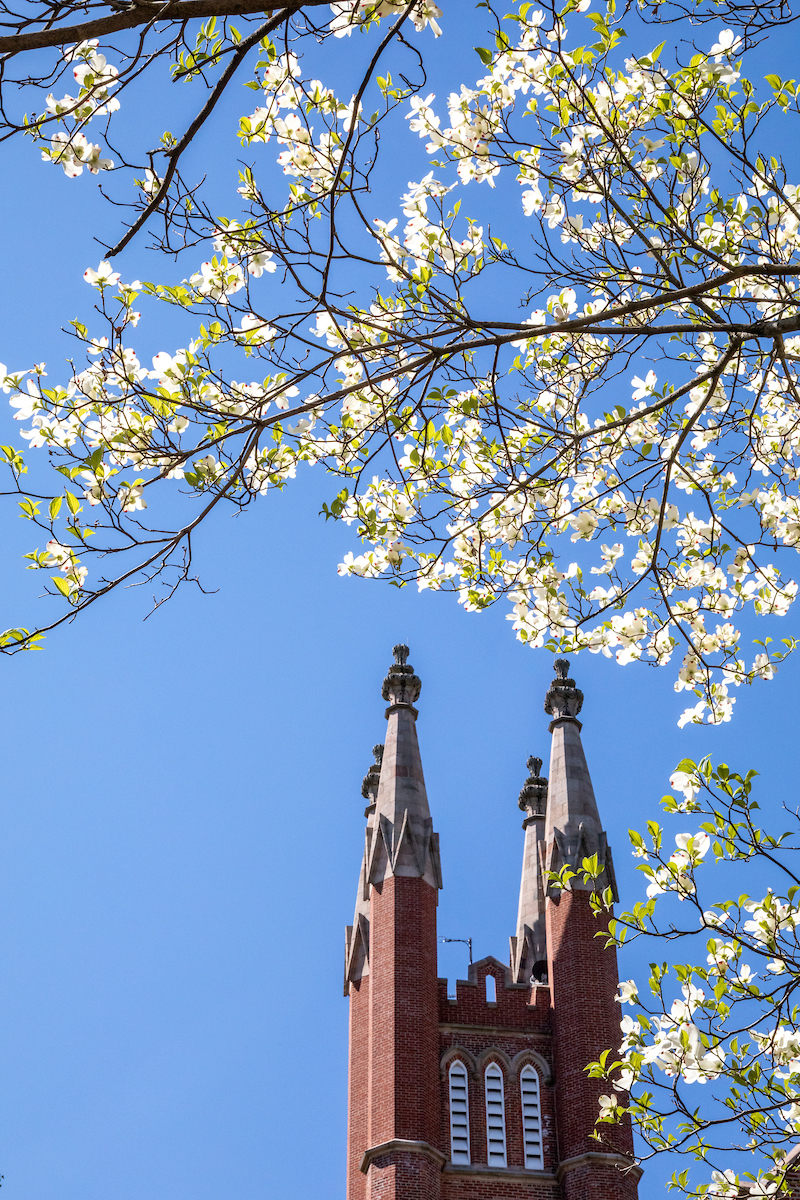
(394, 1108)
(581, 968)
(356, 947)
(404, 842)
(573, 830)
(529, 947)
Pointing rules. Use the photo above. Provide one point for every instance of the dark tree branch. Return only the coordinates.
(205, 112)
(145, 13)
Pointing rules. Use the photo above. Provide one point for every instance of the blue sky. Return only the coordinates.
(182, 819)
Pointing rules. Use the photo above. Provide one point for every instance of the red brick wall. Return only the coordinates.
(598, 1183)
(404, 1037)
(583, 981)
(473, 1187)
(511, 1010)
(511, 1025)
(793, 1179)
(402, 1176)
(358, 1088)
(402, 1024)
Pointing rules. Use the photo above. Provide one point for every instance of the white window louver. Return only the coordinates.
(459, 1114)
(495, 1117)
(531, 1119)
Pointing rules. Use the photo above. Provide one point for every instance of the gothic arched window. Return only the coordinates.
(531, 1118)
(495, 1117)
(459, 1113)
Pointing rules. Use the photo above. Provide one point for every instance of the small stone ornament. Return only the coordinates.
(401, 685)
(563, 699)
(369, 787)
(533, 797)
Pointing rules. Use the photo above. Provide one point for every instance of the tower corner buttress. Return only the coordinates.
(393, 1128)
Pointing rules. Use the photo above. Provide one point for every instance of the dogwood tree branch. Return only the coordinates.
(140, 12)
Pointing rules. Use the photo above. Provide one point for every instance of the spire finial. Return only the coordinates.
(533, 796)
(369, 786)
(564, 699)
(401, 686)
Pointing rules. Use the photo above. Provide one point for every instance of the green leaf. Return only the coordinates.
(484, 55)
(55, 505)
(30, 508)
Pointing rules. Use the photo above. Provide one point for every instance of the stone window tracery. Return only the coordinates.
(531, 1118)
(459, 1113)
(495, 1117)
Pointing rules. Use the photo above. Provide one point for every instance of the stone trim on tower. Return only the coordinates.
(529, 945)
(404, 842)
(482, 1095)
(573, 830)
(356, 937)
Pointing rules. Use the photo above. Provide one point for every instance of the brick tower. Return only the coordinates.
(482, 1096)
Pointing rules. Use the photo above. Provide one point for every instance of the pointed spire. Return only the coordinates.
(404, 842)
(573, 830)
(529, 947)
(356, 949)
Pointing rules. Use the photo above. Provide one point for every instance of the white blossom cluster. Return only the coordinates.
(95, 76)
(732, 1023)
(491, 457)
(349, 15)
(597, 423)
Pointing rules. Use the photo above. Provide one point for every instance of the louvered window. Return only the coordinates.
(459, 1114)
(495, 1117)
(531, 1119)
